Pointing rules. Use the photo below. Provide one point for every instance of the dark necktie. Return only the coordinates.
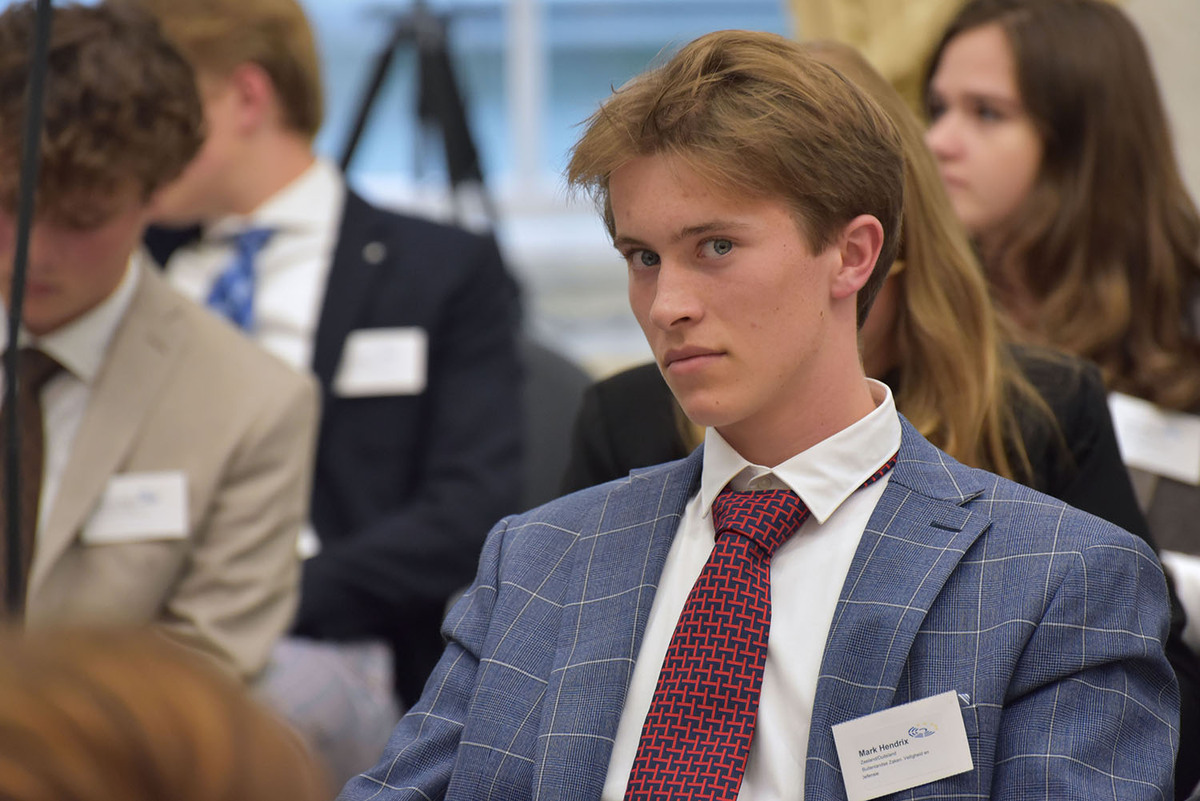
(697, 734)
(34, 369)
(232, 293)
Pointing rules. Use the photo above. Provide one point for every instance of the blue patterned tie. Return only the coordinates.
(232, 294)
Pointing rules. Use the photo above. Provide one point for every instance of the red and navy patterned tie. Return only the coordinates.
(697, 733)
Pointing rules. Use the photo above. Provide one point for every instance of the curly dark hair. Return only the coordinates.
(121, 105)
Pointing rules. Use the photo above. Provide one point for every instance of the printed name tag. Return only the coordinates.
(902, 747)
(383, 361)
(140, 506)
(1156, 440)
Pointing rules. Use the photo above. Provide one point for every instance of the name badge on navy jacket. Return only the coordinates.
(903, 747)
(383, 361)
(139, 507)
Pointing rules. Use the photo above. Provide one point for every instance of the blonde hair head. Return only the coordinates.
(958, 382)
(759, 117)
(217, 36)
(98, 715)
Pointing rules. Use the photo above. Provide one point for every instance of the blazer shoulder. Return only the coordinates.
(644, 492)
(1028, 518)
(1037, 520)
(214, 349)
(363, 220)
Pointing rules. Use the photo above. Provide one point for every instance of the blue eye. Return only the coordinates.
(642, 258)
(988, 113)
(718, 247)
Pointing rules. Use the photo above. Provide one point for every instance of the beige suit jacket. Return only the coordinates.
(181, 390)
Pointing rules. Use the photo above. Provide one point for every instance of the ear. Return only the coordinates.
(254, 95)
(858, 245)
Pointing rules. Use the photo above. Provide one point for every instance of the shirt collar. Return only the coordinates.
(300, 206)
(826, 474)
(79, 346)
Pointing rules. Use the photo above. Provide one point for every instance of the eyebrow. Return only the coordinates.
(688, 232)
(975, 96)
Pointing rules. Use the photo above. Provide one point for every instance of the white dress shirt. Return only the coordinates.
(807, 573)
(79, 347)
(290, 271)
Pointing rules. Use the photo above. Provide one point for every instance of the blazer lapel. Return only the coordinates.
(604, 623)
(915, 539)
(139, 359)
(355, 260)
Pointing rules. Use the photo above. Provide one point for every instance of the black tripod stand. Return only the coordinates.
(439, 102)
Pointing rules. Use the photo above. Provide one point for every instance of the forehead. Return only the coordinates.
(96, 204)
(662, 199)
(661, 185)
(979, 60)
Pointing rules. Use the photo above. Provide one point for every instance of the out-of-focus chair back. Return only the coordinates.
(552, 388)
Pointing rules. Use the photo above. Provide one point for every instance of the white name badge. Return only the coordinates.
(902, 747)
(1158, 441)
(137, 507)
(383, 361)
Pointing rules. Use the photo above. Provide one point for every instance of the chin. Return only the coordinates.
(707, 413)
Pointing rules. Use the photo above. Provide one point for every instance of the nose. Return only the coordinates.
(42, 245)
(673, 297)
(944, 138)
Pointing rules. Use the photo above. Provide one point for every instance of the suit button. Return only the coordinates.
(374, 252)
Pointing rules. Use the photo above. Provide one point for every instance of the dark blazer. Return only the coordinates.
(962, 581)
(628, 421)
(407, 486)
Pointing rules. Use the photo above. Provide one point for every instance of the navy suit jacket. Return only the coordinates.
(406, 486)
(1047, 620)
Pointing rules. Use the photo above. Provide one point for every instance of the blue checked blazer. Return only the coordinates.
(1047, 621)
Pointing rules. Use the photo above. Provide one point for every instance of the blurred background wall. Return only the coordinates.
(531, 70)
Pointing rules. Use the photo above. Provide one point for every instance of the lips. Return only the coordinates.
(953, 181)
(681, 358)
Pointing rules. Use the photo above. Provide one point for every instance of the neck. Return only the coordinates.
(831, 400)
(268, 166)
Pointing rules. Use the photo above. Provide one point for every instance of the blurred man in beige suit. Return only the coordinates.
(176, 453)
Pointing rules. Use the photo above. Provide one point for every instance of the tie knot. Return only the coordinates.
(765, 517)
(35, 367)
(250, 241)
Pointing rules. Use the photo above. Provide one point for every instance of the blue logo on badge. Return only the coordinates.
(923, 730)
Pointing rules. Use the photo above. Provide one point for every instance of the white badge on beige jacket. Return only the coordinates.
(138, 507)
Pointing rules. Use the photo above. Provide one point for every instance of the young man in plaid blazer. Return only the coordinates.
(755, 195)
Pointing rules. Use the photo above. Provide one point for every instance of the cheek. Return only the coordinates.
(1014, 175)
(641, 297)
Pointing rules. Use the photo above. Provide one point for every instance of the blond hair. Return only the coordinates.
(217, 36)
(959, 384)
(758, 116)
(100, 715)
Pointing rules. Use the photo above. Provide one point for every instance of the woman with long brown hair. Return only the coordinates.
(1052, 140)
